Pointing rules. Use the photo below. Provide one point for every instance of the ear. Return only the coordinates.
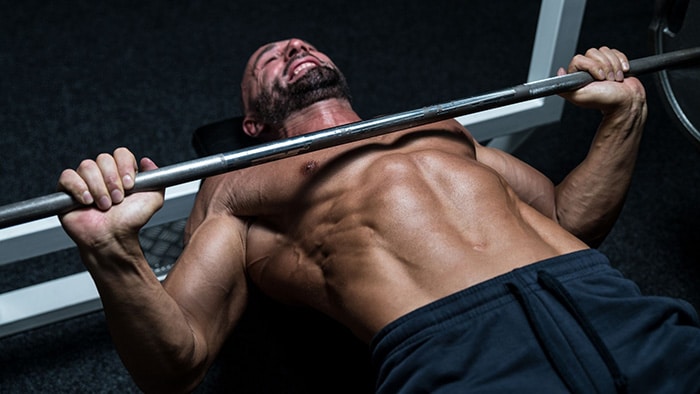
(252, 126)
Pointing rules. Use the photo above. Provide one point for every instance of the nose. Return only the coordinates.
(295, 46)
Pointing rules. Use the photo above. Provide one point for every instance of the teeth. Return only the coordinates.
(302, 67)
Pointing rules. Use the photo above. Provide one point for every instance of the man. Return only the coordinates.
(461, 266)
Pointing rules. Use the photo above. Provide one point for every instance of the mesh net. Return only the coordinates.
(162, 245)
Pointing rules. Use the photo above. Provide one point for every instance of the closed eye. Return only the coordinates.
(269, 60)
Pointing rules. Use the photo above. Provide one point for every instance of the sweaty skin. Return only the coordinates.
(381, 227)
(364, 232)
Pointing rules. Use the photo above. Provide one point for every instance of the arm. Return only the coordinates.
(590, 198)
(588, 201)
(167, 335)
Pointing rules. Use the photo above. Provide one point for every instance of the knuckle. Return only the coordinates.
(66, 173)
(591, 51)
(125, 159)
(111, 180)
(70, 181)
(103, 156)
(122, 151)
(86, 164)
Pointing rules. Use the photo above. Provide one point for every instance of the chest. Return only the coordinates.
(320, 174)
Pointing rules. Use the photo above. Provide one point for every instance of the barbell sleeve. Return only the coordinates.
(61, 202)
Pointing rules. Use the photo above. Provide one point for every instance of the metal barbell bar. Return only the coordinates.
(61, 202)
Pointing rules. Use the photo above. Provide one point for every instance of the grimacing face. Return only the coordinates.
(286, 76)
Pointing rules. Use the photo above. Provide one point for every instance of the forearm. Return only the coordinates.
(155, 331)
(149, 330)
(590, 198)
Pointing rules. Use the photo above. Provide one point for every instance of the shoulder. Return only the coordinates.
(246, 192)
(444, 125)
(235, 193)
(214, 199)
(450, 126)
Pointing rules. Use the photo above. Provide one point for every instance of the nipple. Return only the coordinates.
(309, 167)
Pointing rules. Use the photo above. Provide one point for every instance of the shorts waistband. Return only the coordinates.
(478, 299)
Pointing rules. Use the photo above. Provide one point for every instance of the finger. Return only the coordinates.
(602, 62)
(111, 176)
(589, 63)
(148, 164)
(613, 65)
(72, 183)
(91, 174)
(622, 58)
(126, 166)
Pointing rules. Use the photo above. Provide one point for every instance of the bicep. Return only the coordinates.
(529, 184)
(208, 281)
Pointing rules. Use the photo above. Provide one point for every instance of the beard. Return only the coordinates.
(319, 83)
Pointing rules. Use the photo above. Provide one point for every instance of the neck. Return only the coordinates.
(318, 116)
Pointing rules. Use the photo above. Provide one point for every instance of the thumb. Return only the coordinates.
(147, 164)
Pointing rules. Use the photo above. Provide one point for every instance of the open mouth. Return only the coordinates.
(302, 67)
(299, 67)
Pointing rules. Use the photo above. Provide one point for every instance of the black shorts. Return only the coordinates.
(566, 324)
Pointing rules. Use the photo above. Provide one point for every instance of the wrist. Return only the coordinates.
(113, 254)
(628, 118)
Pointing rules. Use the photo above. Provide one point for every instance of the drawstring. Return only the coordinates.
(555, 287)
(559, 291)
(539, 334)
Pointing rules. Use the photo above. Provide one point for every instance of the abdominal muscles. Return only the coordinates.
(390, 234)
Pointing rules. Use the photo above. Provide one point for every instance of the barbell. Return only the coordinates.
(61, 202)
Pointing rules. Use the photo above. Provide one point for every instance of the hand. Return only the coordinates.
(613, 92)
(114, 216)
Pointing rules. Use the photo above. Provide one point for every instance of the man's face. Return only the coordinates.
(286, 76)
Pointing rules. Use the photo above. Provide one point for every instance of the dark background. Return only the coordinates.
(83, 77)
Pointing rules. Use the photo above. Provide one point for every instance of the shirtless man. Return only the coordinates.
(372, 233)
